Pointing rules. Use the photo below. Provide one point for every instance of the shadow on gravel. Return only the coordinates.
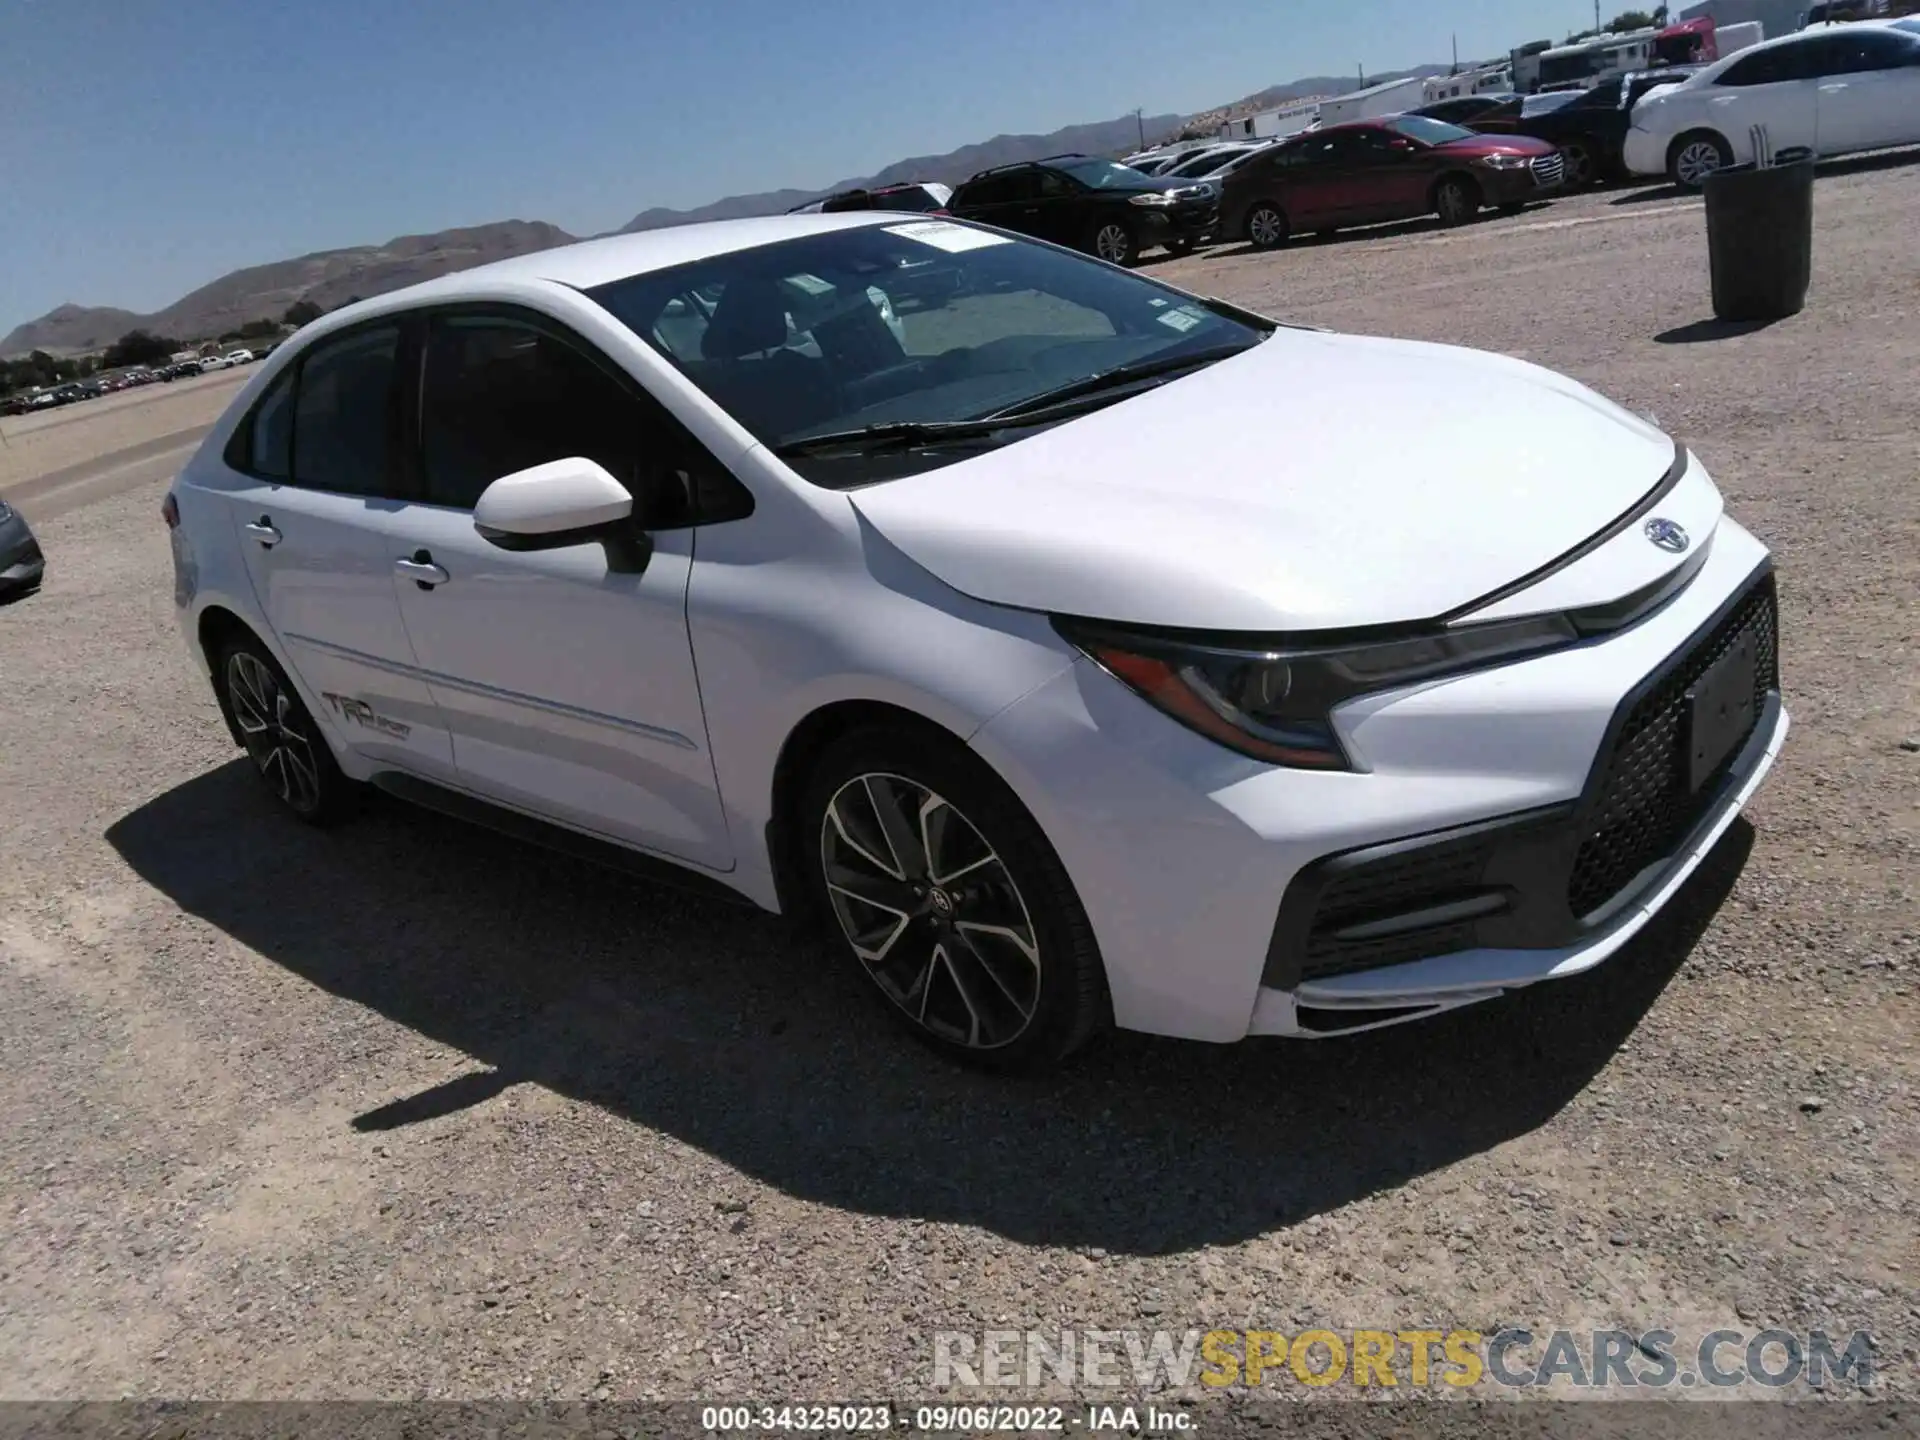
(1701, 332)
(716, 1025)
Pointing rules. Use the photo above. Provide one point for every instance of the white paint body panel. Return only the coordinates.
(1298, 519)
(1262, 493)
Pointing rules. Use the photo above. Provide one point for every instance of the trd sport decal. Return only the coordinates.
(361, 714)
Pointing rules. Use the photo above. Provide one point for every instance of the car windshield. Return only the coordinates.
(1202, 164)
(910, 325)
(1427, 130)
(1099, 174)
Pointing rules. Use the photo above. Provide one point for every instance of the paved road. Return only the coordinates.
(56, 492)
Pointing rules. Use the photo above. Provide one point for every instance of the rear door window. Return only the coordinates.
(344, 414)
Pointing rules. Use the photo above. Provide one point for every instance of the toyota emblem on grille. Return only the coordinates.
(1667, 535)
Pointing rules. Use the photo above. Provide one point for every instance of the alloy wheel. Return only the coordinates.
(1453, 203)
(931, 911)
(274, 729)
(1696, 161)
(1112, 243)
(1266, 227)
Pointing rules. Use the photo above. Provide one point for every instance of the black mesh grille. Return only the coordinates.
(1643, 808)
(1430, 875)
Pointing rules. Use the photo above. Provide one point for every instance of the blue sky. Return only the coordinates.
(148, 146)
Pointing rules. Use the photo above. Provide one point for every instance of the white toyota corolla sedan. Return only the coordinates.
(1078, 650)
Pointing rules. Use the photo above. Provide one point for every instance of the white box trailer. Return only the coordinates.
(1390, 98)
(1732, 39)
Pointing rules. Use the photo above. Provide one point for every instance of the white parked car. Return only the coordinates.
(210, 363)
(1076, 653)
(1831, 91)
(238, 357)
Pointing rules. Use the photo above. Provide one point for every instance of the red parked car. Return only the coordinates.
(1376, 170)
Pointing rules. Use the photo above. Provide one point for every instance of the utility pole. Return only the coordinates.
(1596, 14)
(1138, 113)
(1456, 56)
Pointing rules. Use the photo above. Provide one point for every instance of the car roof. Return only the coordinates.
(587, 263)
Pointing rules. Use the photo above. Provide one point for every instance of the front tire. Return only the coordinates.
(1456, 200)
(1580, 171)
(948, 898)
(287, 749)
(1696, 155)
(1267, 227)
(1113, 242)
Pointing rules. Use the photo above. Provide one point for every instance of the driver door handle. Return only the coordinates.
(420, 569)
(263, 531)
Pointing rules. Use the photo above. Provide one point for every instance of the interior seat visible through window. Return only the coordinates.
(747, 366)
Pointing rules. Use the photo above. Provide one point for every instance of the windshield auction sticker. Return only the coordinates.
(945, 236)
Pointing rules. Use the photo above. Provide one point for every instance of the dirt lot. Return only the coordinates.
(405, 1110)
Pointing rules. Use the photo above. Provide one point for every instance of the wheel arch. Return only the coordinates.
(1698, 132)
(216, 628)
(1465, 177)
(806, 742)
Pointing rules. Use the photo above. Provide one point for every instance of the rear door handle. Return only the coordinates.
(263, 530)
(420, 569)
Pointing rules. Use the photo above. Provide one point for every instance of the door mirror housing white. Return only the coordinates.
(562, 502)
(567, 502)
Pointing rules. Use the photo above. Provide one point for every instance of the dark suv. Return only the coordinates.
(1090, 204)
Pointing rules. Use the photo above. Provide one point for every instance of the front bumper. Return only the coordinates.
(1192, 222)
(1541, 179)
(1644, 153)
(1490, 783)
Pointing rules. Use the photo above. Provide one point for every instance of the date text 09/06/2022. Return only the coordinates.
(942, 1419)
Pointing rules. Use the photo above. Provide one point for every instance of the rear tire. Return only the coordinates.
(1267, 227)
(945, 894)
(289, 753)
(1696, 155)
(1456, 200)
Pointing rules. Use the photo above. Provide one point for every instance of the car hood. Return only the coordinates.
(1498, 144)
(1317, 481)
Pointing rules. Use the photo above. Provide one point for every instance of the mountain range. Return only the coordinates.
(330, 277)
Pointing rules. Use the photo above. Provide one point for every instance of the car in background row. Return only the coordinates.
(1465, 109)
(1590, 129)
(21, 564)
(1371, 171)
(916, 196)
(1827, 92)
(1087, 203)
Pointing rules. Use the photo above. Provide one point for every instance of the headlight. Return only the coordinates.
(1277, 704)
(1506, 162)
(1152, 197)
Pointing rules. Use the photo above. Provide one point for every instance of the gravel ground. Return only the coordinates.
(406, 1110)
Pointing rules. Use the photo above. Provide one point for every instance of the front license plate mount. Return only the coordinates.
(1720, 711)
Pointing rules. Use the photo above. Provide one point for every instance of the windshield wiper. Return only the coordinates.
(899, 434)
(1112, 379)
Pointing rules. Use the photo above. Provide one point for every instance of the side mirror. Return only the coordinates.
(563, 502)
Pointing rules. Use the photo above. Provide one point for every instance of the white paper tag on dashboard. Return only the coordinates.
(943, 235)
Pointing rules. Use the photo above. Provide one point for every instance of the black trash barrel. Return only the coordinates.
(1760, 239)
